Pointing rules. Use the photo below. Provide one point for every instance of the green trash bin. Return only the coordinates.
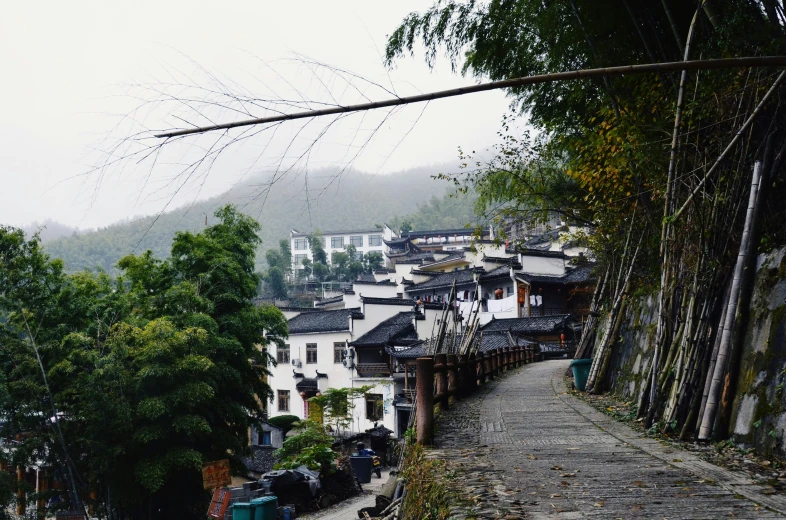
(242, 511)
(581, 370)
(266, 508)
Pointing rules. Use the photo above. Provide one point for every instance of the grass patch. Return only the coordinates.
(427, 491)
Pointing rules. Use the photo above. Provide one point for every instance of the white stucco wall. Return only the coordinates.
(542, 265)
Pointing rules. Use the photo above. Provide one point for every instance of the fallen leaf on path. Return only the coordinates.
(568, 475)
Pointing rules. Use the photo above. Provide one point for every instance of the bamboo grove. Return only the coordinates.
(678, 176)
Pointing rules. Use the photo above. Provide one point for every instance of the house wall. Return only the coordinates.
(375, 291)
(282, 378)
(542, 265)
(375, 314)
(386, 234)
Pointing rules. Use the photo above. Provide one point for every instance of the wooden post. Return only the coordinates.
(424, 384)
(472, 374)
(464, 387)
(490, 365)
(406, 375)
(440, 369)
(506, 357)
(20, 492)
(453, 377)
(519, 356)
(482, 367)
(495, 362)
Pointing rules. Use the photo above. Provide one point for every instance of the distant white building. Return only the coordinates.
(365, 241)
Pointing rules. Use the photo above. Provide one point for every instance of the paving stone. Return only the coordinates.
(523, 448)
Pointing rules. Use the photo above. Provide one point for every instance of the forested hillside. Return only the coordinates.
(353, 200)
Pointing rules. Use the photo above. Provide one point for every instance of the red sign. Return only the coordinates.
(70, 515)
(216, 474)
(219, 504)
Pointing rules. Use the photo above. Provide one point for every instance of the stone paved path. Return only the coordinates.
(526, 449)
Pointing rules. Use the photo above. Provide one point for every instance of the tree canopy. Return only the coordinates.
(146, 376)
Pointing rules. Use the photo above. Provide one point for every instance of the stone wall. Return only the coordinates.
(632, 354)
(759, 410)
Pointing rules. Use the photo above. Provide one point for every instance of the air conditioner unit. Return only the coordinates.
(297, 363)
(348, 358)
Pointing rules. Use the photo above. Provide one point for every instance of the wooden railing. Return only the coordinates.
(458, 376)
(373, 368)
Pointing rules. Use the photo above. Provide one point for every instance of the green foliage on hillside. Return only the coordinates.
(354, 200)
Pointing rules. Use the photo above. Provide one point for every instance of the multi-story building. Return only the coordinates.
(365, 241)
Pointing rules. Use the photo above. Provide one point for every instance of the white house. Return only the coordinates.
(365, 241)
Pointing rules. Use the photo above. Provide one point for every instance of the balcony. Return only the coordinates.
(373, 369)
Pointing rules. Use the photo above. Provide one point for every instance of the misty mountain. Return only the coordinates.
(324, 201)
(49, 230)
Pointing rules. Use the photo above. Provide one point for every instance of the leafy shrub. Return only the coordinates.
(285, 422)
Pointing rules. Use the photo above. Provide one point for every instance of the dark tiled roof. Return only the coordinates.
(418, 258)
(298, 309)
(327, 233)
(580, 274)
(531, 325)
(328, 301)
(404, 281)
(425, 273)
(449, 258)
(366, 278)
(461, 277)
(415, 351)
(261, 460)
(323, 321)
(491, 340)
(398, 328)
(388, 301)
(537, 252)
(384, 270)
(396, 241)
(502, 271)
(307, 383)
(443, 232)
(502, 260)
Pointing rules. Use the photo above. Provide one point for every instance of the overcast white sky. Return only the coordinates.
(66, 65)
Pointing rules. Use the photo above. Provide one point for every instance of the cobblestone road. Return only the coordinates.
(524, 448)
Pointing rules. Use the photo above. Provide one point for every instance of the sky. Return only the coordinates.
(81, 78)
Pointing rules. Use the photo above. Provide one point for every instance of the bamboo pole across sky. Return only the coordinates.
(727, 63)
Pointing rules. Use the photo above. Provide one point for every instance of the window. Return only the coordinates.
(358, 256)
(374, 407)
(338, 352)
(266, 439)
(311, 352)
(283, 400)
(282, 354)
(356, 241)
(299, 260)
(510, 291)
(301, 244)
(375, 240)
(337, 242)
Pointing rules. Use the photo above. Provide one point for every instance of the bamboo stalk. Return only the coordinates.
(724, 350)
(725, 63)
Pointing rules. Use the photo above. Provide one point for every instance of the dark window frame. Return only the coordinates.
(280, 351)
(311, 353)
(335, 240)
(338, 352)
(283, 397)
(374, 240)
(356, 238)
(301, 244)
(375, 407)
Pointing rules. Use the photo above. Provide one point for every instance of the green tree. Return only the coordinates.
(144, 379)
(276, 282)
(373, 261)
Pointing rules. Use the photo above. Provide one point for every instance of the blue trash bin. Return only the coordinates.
(581, 370)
